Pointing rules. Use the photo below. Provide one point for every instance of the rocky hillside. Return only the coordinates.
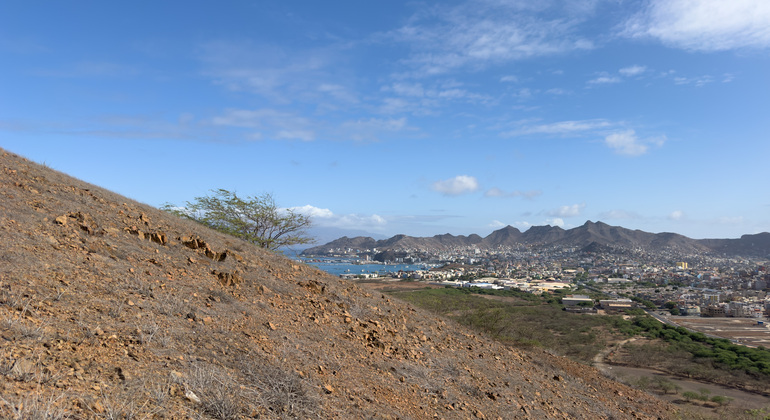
(112, 309)
(596, 234)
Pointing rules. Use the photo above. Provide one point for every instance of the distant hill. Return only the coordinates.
(110, 308)
(597, 235)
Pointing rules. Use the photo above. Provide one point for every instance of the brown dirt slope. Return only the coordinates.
(112, 309)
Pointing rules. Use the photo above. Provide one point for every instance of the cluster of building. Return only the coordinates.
(700, 285)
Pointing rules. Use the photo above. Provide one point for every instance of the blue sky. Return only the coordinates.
(392, 117)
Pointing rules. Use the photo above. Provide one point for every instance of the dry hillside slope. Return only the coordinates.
(112, 309)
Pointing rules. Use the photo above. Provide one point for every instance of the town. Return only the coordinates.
(681, 284)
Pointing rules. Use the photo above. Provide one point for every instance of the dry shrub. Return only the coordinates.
(281, 391)
(220, 396)
(33, 407)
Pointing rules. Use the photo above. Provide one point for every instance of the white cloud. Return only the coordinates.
(561, 127)
(625, 143)
(604, 80)
(326, 218)
(676, 215)
(703, 25)
(628, 144)
(460, 184)
(495, 192)
(313, 211)
(632, 71)
(568, 211)
(522, 225)
(509, 79)
(555, 222)
(496, 224)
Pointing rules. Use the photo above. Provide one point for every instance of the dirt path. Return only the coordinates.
(599, 359)
(744, 400)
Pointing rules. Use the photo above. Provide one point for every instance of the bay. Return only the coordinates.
(340, 266)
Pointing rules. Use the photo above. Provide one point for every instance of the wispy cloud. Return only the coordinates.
(619, 215)
(567, 211)
(698, 81)
(427, 99)
(497, 192)
(560, 128)
(479, 33)
(90, 69)
(703, 25)
(676, 215)
(268, 123)
(557, 91)
(278, 74)
(371, 129)
(604, 79)
(461, 184)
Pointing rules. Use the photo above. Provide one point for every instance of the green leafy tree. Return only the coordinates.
(721, 400)
(256, 219)
(690, 395)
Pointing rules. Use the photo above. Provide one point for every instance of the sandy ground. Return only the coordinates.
(742, 330)
(396, 284)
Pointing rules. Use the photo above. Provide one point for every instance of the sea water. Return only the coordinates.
(340, 266)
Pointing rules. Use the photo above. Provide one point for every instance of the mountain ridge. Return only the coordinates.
(598, 233)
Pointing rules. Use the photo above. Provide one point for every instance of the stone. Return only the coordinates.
(61, 220)
(190, 396)
(227, 279)
(97, 407)
(159, 237)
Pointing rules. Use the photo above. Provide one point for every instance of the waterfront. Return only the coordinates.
(341, 266)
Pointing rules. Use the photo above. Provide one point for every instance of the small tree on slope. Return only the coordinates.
(256, 219)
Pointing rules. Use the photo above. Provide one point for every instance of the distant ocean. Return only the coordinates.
(339, 266)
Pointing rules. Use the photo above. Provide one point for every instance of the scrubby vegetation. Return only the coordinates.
(695, 355)
(524, 319)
